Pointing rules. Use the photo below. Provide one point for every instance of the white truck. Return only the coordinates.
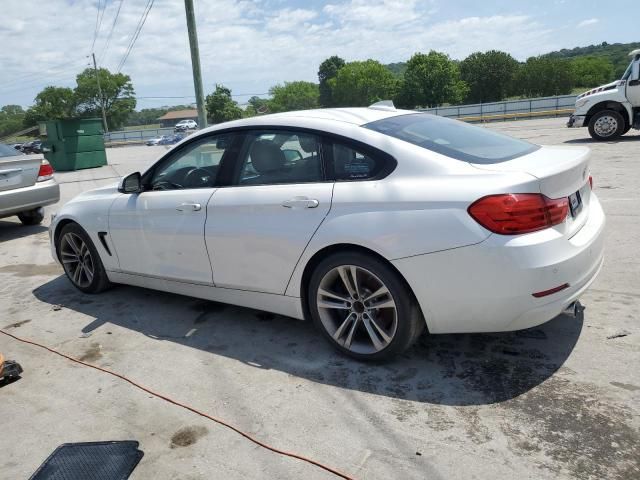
(613, 109)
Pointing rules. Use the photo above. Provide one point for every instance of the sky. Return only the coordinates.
(250, 46)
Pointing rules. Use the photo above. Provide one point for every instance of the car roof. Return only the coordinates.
(352, 116)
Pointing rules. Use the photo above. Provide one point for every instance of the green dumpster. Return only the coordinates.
(74, 144)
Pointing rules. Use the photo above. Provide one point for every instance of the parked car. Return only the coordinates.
(34, 146)
(26, 185)
(184, 125)
(372, 222)
(155, 140)
(171, 139)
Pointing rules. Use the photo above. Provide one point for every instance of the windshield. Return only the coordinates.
(453, 138)
(7, 151)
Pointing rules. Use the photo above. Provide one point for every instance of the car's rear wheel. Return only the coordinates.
(606, 125)
(80, 260)
(32, 217)
(363, 307)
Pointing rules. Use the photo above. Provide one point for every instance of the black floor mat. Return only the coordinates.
(90, 461)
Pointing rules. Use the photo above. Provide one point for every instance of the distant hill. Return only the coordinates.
(617, 53)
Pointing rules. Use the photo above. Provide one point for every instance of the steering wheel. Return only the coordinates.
(197, 177)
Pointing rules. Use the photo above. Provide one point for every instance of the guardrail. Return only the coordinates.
(561, 105)
(135, 136)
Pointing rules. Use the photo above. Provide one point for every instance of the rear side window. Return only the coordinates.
(453, 138)
(353, 163)
(7, 151)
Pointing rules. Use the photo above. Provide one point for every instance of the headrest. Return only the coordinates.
(266, 156)
(308, 143)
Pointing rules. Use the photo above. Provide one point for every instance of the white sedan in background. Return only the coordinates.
(373, 222)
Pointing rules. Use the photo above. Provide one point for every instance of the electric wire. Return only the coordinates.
(136, 34)
(98, 22)
(219, 421)
(113, 26)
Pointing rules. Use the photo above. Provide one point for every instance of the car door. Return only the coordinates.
(633, 84)
(258, 227)
(160, 232)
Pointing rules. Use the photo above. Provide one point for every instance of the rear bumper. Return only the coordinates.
(488, 286)
(576, 121)
(28, 198)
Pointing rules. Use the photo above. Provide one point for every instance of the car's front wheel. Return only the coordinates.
(32, 217)
(606, 125)
(80, 260)
(363, 307)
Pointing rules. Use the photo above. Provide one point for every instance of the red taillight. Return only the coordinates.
(45, 172)
(591, 182)
(517, 213)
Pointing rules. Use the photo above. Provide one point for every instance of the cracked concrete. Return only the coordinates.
(558, 401)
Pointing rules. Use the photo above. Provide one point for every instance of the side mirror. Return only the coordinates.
(635, 70)
(131, 183)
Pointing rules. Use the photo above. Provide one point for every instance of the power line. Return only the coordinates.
(40, 71)
(98, 21)
(113, 26)
(136, 33)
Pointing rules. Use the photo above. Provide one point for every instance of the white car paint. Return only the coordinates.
(243, 247)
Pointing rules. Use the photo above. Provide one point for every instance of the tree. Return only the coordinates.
(431, 80)
(591, 71)
(52, 103)
(545, 76)
(359, 84)
(293, 96)
(489, 75)
(328, 70)
(118, 96)
(11, 119)
(221, 107)
(256, 106)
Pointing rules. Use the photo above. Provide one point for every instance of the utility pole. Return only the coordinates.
(195, 62)
(104, 117)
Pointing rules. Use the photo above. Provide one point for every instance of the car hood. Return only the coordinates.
(96, 193)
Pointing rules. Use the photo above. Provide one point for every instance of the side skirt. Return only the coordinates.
(280, 304)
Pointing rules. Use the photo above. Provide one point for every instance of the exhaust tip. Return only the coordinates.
(572, 309)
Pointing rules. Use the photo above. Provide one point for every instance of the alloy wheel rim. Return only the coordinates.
(605, 126)
(357, 309)
(77, 260)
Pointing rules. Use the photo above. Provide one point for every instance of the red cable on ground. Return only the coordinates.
(187, 407)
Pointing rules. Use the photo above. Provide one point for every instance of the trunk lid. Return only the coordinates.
(561, 172)
(18, 171)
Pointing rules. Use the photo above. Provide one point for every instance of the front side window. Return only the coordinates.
(275, 157)
(453, 138)
(194, 166)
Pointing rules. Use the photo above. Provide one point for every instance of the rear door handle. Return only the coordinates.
(189, 207)
(301, 202)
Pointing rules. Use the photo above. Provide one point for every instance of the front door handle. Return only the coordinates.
(189, 207)
(301, 202)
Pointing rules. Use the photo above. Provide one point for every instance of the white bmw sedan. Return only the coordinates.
(375, 223)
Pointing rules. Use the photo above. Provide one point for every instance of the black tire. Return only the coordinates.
(410, 322)
(32, 217)
(99, 281)
(613, 127)
(626, 128)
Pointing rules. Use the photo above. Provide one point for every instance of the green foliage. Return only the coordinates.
(328, 70)
(52, 103)
(293, 96)
(149, 116)
(616, 53)
(431, 80)
(256, 106)
(11, 119)
(544, 77)
(489, 75)
(221, 107)
(359, 84)
(118, 96)
(397, 69)
(590, 72)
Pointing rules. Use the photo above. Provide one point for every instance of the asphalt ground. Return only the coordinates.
(558, 401)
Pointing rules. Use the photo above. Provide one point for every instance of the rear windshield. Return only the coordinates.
(7, 151)
(453, 138)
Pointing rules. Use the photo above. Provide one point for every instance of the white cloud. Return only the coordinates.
(586, 23)
(247, 45)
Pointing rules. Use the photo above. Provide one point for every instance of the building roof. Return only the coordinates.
(174, 115)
